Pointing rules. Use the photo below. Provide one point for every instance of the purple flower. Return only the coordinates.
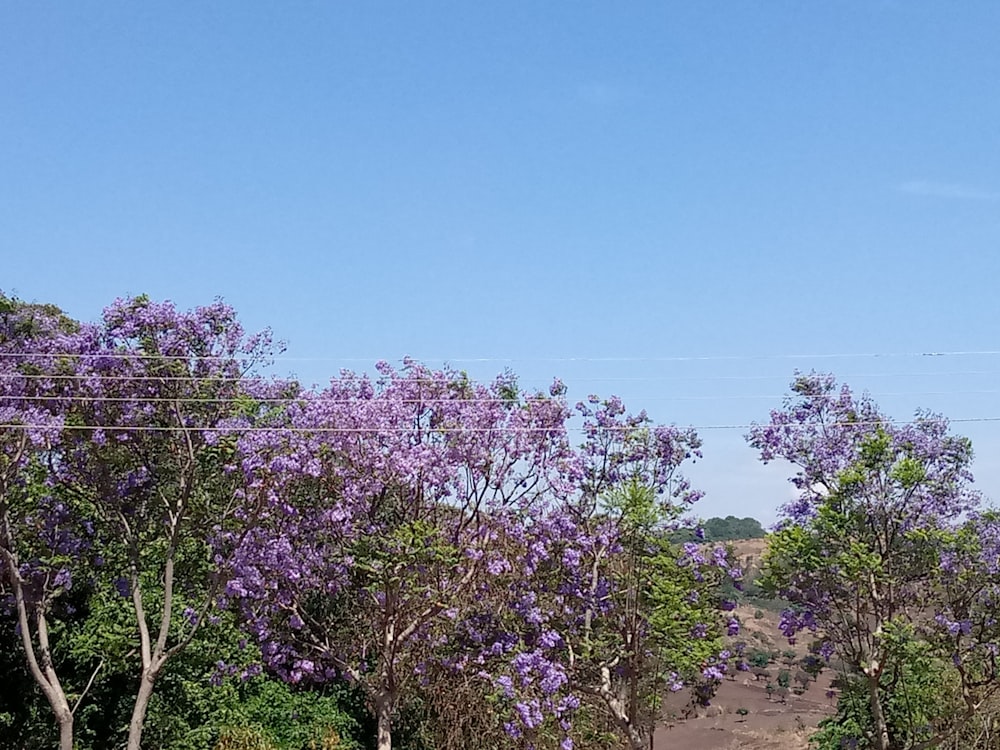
(712, 673)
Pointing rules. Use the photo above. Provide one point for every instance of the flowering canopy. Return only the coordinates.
(882, 544)
(423, 518)
(43, 544)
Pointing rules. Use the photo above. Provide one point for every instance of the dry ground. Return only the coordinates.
(767, 725)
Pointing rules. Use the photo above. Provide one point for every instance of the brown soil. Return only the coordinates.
(767, 724)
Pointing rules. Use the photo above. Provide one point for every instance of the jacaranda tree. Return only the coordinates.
(883, 552)
(152, 461)
(601, 609)
(43, 543)
(425, 522)
(388, 501)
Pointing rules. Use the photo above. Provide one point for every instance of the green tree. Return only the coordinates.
(192, 709)
(651, 645)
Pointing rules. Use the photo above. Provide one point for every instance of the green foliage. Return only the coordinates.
(790, 550)
(723, 530)
(299, 718)
(845, 730)
(187, 711)
(673, 616)
(919, 696)
(243, 738)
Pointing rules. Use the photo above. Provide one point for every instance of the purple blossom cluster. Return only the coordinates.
(422, 518)
(824, 429)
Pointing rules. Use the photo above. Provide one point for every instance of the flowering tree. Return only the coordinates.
(41, 542)
(603, 609)
(873, 552)
(966, 596)
(152, 457)
(387, 503)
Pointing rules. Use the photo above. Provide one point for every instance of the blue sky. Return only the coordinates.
(660, 200)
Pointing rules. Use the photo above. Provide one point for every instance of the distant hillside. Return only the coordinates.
(723, 530)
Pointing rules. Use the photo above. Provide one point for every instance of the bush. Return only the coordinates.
(920, 699)
(243, 738)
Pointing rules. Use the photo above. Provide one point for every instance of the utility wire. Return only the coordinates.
(682, 358)
(361, 376)
(321, 399)
(468, 430)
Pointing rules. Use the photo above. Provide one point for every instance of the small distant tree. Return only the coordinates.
(717, 529)
(731, 527)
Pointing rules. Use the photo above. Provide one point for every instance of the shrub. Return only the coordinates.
(243, 738)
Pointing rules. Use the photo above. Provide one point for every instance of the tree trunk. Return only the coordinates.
(616, 707)
(383, 712)
(878, 716)
(635, 741)
(632, 734)
(139, 711)
(40, 665)
(63, 713)
(65, 730)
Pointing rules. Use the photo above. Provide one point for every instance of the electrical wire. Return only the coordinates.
(321, 399)
(628, 359)
(360, 376)
(469, 430)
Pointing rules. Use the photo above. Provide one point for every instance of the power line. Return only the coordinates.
(361, 376)
(235, 358)
(466, 430)
(320, 399)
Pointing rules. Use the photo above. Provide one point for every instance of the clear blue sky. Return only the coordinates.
(534, 182)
